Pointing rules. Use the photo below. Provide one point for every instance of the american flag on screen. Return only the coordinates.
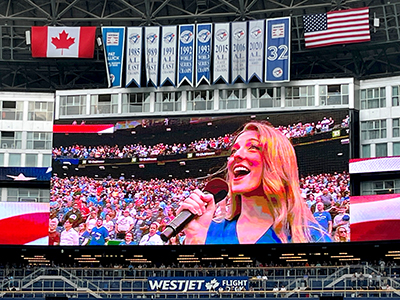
(24, 223)
(375, 217)
(337, 27)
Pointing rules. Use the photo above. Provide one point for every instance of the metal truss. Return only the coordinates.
(19, 71)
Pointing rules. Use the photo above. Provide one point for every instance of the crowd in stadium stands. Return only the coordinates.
(202, 145)
(86, 211)
(137, 150)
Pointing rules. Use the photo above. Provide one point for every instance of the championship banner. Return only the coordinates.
(185, 284)
(152, 49)
(277, 62)
(186, 54)
(239, 51)
(203, 52)
(114, 41)
(168, 55)
(255, 59)
(221, 52)
(134, 56)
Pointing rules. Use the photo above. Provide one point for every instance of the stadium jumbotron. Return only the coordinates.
(118, 115)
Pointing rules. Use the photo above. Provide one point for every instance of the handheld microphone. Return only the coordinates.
(217, 187)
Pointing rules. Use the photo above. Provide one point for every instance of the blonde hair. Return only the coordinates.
(280, 182)
(337, 237)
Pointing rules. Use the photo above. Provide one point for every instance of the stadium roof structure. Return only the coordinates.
(20, 72)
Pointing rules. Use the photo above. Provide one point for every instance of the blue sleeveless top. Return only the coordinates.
(225, 233)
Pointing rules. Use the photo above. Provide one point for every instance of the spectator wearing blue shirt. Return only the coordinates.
(323, 217)
(99, 234)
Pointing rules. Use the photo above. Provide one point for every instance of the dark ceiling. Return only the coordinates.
(20, 72)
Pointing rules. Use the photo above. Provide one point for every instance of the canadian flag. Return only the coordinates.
(59, 42)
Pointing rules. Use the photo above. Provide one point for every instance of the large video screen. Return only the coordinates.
(229, 179)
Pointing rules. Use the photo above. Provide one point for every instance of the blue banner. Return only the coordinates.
(114, 41)
(134, 56)
(185, 284)
(277, 62)
(186, 54)
(203, 53)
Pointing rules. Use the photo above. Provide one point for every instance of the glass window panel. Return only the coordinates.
(395, 132)
(46, 161)
(322, 89)
(14, 160)
(396, 148)
(381, 150)
(366, 151)
(31, 160)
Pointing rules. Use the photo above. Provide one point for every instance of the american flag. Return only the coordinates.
(24, 223)
(375, 217)
(337, 27)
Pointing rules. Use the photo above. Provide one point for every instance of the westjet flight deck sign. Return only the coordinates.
(193, 284)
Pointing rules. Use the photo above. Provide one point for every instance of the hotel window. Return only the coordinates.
(40, 111)
(168, 101)
(396, 149)
(12, 110)
(336, 94)
(300, 96)
(72, 105)
(373, 98)
(31, 160)
(14, 160)
(104, 104)
(375, 129)
(391, 186)
(232, 99)
(39, 140)
(395, 96)
(11, 140)
(366, 151)
(27, 195)
(265, 97)
(381, 150)
(396, 127)
(200, 100)
(47, 160)
(134, 102)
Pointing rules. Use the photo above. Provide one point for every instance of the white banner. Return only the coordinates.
(152, 49)
(221, 52)
(168, 55)
(134, 56)
(239, 51)
(255, 60)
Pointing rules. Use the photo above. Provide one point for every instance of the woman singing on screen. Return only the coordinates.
(265, 201)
